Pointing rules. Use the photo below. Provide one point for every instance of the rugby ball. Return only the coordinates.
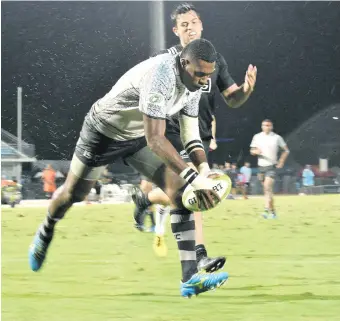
(222, 187)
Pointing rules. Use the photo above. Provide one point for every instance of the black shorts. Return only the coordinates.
(266, 171)
(95, 149)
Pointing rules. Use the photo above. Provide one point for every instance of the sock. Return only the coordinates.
(183, 228)
(47, 228)
(162, 213)
(146, 201)
(201, 252)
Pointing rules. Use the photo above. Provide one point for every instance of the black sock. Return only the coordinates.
(146, 201)
(152, 218)
(183, 228)
(47, 228)
(201, 252)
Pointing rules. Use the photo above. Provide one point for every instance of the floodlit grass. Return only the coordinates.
(100, 269)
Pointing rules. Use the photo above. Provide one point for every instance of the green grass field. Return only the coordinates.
(99, 268)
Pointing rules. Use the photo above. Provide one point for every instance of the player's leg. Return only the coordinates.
(145, 185)
(85, 169)
(182, 221)
(268, 194)
(159, 245)
(144, 199)
(268, 184)
(98, 188)
(74, 190)
(141, 211)
(209, 264)
(161, 213)
(157, 196)
(261, 178)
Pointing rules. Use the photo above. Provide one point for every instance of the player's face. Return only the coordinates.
(195, 74)
(267, 127)
(188, 27)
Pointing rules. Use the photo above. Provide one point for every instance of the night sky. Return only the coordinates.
(67, 55)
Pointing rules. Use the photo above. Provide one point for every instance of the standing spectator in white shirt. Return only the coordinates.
(266, 146)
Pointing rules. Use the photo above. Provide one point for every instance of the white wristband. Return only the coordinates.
(195, 180)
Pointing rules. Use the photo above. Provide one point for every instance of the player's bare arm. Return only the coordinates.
(255, 151)
(283, 157)
(160, 145)
(213, 144)
(235, 95)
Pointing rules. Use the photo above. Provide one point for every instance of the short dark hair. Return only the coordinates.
(181, 9)
(267, 121)
(200, 49)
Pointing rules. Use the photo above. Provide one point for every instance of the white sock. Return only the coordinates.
(162, 213)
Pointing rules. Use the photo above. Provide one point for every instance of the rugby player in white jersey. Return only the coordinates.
(129, 123)
(265, 146)
(187, 26)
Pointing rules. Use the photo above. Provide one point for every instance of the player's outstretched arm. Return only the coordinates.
(213, 144)
(235, 96)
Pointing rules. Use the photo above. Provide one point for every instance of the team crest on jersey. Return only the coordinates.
(207, 88)
(156, 99)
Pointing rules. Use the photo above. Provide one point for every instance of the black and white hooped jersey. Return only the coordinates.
(154, 88)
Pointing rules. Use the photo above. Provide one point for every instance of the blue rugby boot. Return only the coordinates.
(37, 251)
(202, 282)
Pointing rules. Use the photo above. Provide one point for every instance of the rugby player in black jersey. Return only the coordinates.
(187, 26)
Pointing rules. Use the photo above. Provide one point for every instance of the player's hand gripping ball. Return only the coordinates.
(204, 200)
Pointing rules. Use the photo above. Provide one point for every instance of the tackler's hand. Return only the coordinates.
(250, 79)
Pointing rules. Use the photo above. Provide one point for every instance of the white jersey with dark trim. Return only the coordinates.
(154, 88)
(269, 144)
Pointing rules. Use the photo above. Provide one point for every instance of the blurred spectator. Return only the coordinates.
(308, 179)
(10, 192)
(233, 176)
(227, 167)
(48, 177)
(308, 176)
(215, 166)
(246, 172)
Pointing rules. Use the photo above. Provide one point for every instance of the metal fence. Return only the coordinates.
(12, 142)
